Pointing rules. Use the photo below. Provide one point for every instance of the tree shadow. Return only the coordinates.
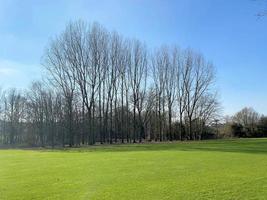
(257, 146)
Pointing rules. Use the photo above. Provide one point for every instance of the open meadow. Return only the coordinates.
(223, 169)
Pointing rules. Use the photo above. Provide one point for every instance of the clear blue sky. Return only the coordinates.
(227, 32)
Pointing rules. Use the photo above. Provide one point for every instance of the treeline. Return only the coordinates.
(245, 123)
(100, 87)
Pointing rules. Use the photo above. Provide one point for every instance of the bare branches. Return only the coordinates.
(105, 88)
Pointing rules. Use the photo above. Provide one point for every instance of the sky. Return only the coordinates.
(226, 32)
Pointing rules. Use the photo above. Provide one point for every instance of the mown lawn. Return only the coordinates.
(225, 169)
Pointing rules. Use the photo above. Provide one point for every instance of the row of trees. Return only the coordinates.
(245, 123)
(101, 87)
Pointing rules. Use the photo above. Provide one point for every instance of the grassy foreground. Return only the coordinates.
(226, 169)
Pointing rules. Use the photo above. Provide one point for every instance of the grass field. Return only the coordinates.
(225, 169)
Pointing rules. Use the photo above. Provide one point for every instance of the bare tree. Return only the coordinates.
(62, 75)
(137, 75)
(207, 112)
(171, 84)
(248, 118)
(198, 79)
(181, 75)
(14, 111)
(160, 64)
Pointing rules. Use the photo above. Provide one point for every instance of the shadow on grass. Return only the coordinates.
(257, 146)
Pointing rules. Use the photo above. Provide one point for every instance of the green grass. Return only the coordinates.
(225, 169)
